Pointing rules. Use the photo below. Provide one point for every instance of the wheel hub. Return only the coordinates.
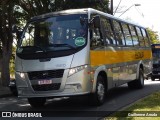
(100, 91)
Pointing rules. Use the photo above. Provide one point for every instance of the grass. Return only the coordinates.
(147, 108)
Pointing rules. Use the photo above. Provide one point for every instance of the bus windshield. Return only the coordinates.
(156, 56)
(55, 33)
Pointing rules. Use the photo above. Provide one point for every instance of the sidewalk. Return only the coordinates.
(5, 92)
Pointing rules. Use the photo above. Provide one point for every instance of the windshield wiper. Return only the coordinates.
(66, 45)
(40, 48)
(36, 46)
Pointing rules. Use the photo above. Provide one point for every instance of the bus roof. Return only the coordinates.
(64, 12)
(82, 11)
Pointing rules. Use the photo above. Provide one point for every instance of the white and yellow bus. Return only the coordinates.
(80, 52)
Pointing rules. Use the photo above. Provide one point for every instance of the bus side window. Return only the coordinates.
(141, 41)
(134, 36)
(109, 36)
(118, 33)
(127, 34)
(145, 37)
(96, 40)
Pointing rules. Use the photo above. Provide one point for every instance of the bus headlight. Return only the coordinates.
(21, 75)
(76, 69)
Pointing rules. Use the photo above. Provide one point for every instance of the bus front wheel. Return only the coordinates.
(37, 102)
(98, 97)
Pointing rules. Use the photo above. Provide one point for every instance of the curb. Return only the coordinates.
(6, 95)
(5, 92)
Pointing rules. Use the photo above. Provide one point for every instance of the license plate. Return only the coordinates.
(44, 82)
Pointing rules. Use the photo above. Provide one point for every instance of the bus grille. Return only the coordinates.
(54, 86)
(45, 74)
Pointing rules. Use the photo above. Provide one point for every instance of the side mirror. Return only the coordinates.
(96, 21)
(17, 30)
(19, 34)
(14, 29)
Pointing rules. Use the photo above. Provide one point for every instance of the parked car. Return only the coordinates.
(12, 86)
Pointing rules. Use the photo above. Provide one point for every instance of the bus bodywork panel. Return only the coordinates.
(121, 64)
(62, 71)
(63, 85)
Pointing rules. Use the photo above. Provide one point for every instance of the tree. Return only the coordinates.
(9, 16)
(153, 36)
(6, 38)
(37, 7)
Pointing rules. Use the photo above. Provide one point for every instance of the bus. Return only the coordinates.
(80, 52)
(156, 62)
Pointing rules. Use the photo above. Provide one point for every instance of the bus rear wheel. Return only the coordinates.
(37, 102)
(98, 97)
(138, 83)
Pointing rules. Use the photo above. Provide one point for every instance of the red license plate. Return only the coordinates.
(44, 82)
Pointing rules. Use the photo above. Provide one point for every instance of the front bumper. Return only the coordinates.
(70, 90)
(77, 84)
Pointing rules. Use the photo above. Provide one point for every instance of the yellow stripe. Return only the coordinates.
(112, 57)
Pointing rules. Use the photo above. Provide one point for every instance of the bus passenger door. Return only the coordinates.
(115, 76)
(123, 74)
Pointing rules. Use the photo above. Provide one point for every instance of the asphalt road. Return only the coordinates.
(78, 108)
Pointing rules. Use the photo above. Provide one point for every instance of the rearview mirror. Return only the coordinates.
(82, 21)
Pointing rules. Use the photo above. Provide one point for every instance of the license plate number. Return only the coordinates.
(44, 82)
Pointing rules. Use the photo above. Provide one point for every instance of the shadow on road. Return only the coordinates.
(116, 99)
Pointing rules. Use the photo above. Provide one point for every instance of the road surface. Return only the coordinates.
(78, 108)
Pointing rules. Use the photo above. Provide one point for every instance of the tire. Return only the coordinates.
(37, 102)
(98, 97)
(138, 83)
(152, 78)
(14, 91)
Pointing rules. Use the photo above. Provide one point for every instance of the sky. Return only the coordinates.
(147, 14)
